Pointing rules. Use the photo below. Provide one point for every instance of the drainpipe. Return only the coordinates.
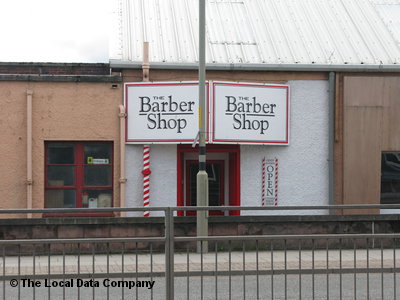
(29, 180)
(331, 139)
(122, 179)
(146, 148)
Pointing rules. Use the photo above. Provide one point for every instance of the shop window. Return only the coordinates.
(390, 178)
(79, 174)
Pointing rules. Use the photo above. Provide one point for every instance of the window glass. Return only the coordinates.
(61, 154)
(390, 178)
(60, 198)
(78, 174)
(214, 184)
(60, 175)
(93, 198)
(97, 154)
(97, 175)
(193, 169)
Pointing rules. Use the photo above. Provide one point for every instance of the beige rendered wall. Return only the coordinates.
(64, 111)
(370, 125)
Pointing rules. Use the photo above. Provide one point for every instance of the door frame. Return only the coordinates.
(233, 152)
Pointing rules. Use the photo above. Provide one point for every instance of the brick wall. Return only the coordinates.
(72, 228)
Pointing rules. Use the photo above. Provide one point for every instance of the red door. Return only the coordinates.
(216, 179)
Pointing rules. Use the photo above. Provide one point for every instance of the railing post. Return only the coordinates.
(169, 253)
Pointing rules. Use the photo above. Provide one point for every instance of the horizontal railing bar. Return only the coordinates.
(304, 271)
(197, 208)
(289, 207)
(204, 238)
(288, 236)
(126, 275)
(78, 210)
(142, 275)
(83, 240)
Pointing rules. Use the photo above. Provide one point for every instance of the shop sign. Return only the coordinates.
(248, 113)
(241, 113)
(269, 193)
(162, 112)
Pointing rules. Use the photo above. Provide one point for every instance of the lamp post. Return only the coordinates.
(202, 177)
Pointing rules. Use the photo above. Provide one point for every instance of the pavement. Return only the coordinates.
(194, 262)
(341, 282)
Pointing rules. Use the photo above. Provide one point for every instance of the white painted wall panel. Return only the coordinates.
(162, 179)
(303, 165)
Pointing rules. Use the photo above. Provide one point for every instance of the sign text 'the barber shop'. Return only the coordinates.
(250, 113)
(240, 113)
(162, 112)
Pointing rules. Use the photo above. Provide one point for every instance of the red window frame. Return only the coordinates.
(79, 168)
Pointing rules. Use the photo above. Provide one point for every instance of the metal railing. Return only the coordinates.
(296, 266)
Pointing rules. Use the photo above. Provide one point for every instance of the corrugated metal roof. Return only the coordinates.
(390, 14)
(261, 31)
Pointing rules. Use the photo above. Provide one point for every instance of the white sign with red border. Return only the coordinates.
(162, 112)
(242, 113)
(250, 113)
(269, 195)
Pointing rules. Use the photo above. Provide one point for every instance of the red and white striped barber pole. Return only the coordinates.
(269, 190)
(146, 179)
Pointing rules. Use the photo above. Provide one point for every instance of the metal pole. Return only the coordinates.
(29, 178)
(202, 177)
(169, 253)
(146, 148)
(331, 140)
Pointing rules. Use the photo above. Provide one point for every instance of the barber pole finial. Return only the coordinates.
(146, 179)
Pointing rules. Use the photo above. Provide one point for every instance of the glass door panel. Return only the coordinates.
(216, 196)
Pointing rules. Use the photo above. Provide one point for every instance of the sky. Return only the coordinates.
(55, 30)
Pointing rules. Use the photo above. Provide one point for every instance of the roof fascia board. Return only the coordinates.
(61, 78)
(117, 64)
